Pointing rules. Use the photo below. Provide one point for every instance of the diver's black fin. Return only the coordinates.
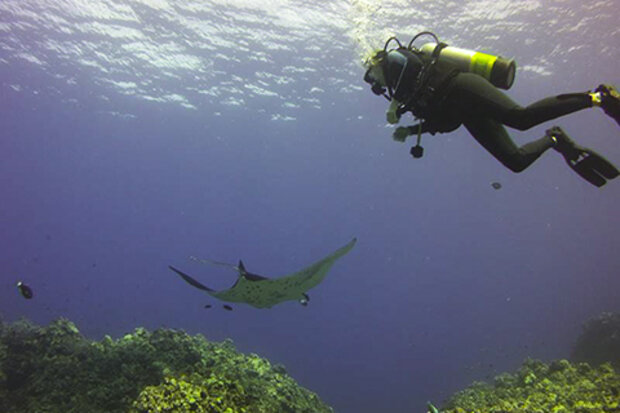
(190, 280)
(595, 169)
(591, 166)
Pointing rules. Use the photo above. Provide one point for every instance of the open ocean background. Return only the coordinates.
(136, 133)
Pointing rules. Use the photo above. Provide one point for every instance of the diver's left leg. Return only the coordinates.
(492, 135)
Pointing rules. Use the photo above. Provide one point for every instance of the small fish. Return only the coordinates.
(208, 306)
(496, 185)
(24, 290)
(227, 307)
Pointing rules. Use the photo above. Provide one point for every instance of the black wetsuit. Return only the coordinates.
(469, 99)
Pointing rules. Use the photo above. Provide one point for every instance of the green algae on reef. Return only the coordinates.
(55, 369)
(557, 387)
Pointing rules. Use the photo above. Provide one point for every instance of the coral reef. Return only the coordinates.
(558, 387)
(212, 395)
(599, 341)
(55, 369)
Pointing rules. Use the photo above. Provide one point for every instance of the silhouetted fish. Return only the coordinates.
(208, 305)
(227, 307)
(24, 290)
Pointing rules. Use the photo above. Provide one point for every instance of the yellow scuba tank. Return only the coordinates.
(497, 70)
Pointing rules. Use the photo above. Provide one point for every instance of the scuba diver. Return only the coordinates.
(445, 87)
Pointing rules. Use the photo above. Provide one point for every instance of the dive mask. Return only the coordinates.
(376, 87)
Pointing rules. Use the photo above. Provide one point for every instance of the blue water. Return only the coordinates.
(136, 134)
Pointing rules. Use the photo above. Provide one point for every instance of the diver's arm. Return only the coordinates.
(401, 86)
(393, 113)
(402, 132)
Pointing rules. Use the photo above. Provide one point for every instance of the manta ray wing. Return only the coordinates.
(266, 293)
(190, 280)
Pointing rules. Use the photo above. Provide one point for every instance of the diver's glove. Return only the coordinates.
(392, 117)
(401, 133)
(393, 113)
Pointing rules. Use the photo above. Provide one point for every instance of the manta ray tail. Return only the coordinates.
(190, 280)
(213, 262)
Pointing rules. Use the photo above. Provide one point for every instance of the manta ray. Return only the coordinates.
(262, 292)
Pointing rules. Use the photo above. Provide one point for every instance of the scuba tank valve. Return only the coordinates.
(497, 70)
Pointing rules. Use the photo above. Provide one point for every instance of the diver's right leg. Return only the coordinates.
(475, 96)
(605, 96)
(494, 138)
